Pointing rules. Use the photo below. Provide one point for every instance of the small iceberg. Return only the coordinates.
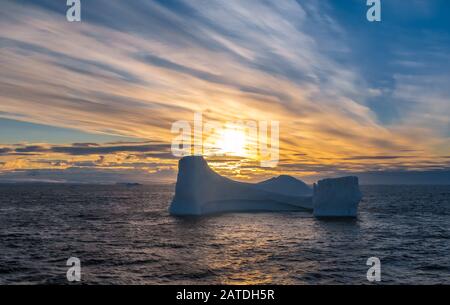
(200, 191)
(337, 197)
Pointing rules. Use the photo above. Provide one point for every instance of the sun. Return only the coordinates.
(232, 141)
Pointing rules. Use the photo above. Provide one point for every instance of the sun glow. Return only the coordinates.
(232, 141)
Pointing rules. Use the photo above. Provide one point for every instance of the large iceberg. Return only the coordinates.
(199, 191)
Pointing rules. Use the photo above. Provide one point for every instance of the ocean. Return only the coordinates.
(124, 235)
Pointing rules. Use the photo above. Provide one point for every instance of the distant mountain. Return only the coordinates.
(128, 183)
(286, 185)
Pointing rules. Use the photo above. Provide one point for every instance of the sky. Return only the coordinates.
(94, 101)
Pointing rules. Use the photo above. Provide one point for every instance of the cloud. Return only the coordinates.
(88, 163)
(79, 150)
(5, 150)
(134, 68)
(88, 148)
(377, 157)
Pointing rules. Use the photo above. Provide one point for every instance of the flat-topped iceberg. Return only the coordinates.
(337, 197)
(199, 191)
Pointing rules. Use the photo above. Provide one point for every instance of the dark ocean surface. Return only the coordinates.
(124, 235)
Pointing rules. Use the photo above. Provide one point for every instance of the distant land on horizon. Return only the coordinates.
(439, 177)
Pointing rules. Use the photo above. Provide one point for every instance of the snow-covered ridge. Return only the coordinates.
(199, 190)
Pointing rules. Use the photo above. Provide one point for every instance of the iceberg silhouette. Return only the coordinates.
(200, 191)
